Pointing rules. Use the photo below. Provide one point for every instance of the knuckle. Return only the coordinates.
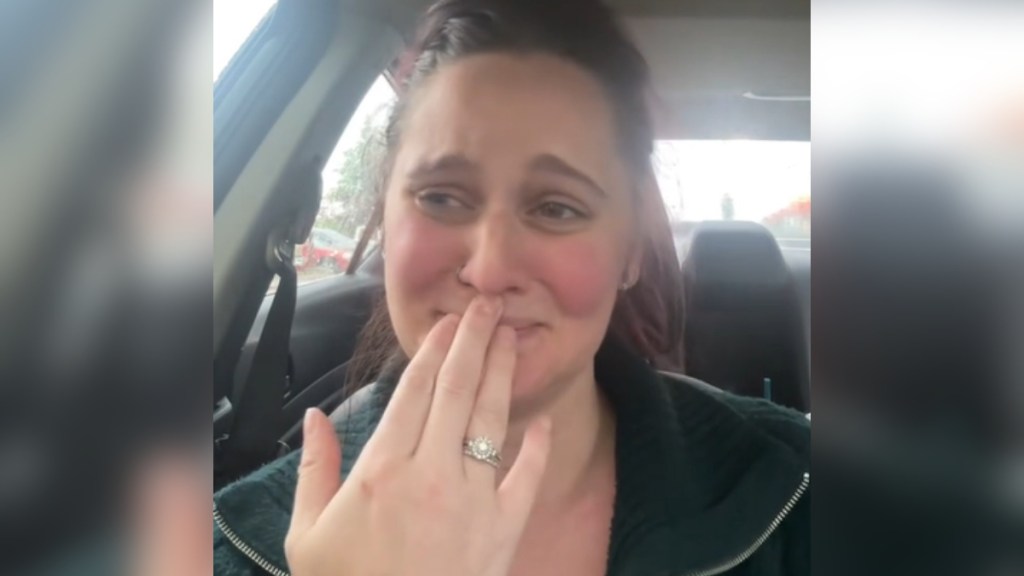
(453, 388)
(491, 412)
(368, 488)
(378, 477)
(417, 378)
(308, 465)
(487, 417)
(435, 495)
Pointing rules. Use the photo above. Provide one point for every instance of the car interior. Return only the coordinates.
(722, 69)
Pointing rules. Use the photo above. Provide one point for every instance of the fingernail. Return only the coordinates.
(493, 304)
(488, 306)
(308, 422)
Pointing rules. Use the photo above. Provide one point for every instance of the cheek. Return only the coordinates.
(581, 275)
(418, 254)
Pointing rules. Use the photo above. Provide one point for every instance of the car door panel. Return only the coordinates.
(329, 315)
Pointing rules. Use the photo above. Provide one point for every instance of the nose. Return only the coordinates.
(496, 251)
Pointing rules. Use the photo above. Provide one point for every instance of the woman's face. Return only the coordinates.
(507, 168)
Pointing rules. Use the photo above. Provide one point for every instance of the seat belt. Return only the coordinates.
(256, 428)
(256, 425)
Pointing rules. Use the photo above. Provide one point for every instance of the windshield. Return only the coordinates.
(768, 182)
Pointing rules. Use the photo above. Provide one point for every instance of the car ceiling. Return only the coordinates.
(705, 55)
(797, 9)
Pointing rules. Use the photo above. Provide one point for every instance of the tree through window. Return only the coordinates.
(349, 188)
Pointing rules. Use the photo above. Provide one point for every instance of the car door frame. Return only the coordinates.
(357, 48)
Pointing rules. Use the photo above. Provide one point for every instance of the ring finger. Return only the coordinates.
(458, 383)
(489, 419)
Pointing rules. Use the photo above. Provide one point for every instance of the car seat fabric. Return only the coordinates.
(743, 328)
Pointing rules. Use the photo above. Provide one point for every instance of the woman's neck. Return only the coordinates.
(582, 442)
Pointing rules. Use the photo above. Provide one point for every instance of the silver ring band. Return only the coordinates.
(481, 448)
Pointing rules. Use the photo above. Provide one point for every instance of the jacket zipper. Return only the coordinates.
(718, 569)
(749, 551)
(245, 548)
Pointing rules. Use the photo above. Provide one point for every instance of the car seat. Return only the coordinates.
(744, 331)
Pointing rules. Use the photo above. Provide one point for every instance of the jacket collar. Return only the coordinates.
(256, 510)
(697, 480)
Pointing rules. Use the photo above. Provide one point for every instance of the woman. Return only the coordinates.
(530, 286)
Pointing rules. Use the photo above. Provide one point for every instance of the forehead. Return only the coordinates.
(508, 107)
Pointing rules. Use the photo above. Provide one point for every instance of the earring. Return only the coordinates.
(626, 284)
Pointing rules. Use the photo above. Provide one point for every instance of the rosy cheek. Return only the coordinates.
(579, 272)
(418, 252)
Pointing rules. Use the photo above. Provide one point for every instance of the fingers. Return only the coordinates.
(490, 415)
(402, 423)
(319, 471)
(458, 382)
(519, 488)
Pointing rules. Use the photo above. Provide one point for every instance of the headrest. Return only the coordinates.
(737, 258)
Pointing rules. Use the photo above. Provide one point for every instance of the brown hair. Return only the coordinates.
(648, 318)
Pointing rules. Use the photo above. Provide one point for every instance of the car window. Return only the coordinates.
(347, 175)
(348, 188)
(233, 22)
(761, 181)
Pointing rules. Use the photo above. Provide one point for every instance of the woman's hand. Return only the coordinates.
(414, 504)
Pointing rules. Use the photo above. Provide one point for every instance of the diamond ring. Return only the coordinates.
(481, 448)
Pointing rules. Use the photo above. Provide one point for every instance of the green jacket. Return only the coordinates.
(707, 482)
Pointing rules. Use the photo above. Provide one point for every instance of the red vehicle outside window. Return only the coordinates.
(325, 248)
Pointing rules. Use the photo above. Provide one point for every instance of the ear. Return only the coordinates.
(646, 215)
(634, 263)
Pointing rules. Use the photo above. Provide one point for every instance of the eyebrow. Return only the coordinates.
(459, 163)
(555, 165)
(445, 163)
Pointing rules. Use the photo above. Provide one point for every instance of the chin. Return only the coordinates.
(529, 379)
(533, 386)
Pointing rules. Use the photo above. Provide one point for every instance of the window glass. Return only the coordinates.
(233, 22)
(348, 175)
(348, 188)
(761, 181)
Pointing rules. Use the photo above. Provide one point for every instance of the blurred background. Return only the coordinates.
(915, 160)
(106, 158)
(918, 179)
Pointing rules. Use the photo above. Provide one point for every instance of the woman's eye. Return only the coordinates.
(439, 200)
(558, 211)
